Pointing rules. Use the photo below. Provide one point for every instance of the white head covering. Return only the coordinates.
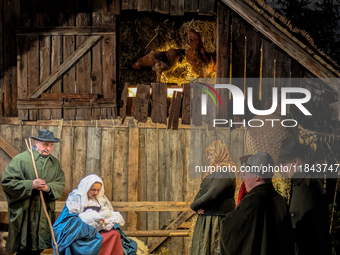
(73, 203)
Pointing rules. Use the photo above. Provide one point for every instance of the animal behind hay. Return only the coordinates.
(202, 62)
(160, 61)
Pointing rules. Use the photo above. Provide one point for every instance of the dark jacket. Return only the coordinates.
(260, 225)
(28, 226)
(309, 211)
(216, 195)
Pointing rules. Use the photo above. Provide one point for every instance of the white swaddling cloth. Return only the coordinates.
(78, 200)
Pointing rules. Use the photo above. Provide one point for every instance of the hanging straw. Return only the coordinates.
(29, 147)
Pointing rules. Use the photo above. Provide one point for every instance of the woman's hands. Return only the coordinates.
(200, 211)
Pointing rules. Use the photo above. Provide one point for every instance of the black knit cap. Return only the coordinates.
(46, 136)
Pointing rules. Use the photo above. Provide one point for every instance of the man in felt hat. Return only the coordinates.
(308, 205)
(29, 232)
(260, 224)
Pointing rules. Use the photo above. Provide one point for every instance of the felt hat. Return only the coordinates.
(46, 136)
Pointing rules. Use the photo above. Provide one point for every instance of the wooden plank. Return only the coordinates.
(142, 186)
(176, 181)
(97, 65)
(238, 56)
(129, 4)
(33, 71)
(109, 67)
(161, 6)
(142, 102)
(120, 173)
(22, 68)
(66, 31)
(9, 54)
(223, 58)
(206, 7)
(177, 7)
(152, 175)
(159, 103)
(195, 105)
(69, 45)
(56, 60)
(106, 161)
(175, 110)
(284, 40)
(253, 64)
(267, 74)
(63, 68)
(133, 175)
(282, 73)
(44, 61)
(6, 135)
(186, 104)
(1, 59)
(93, 150)
(8, 148)
(83, 68)
(39, 104)
(124, 99)
(144, 5)
(68, 96)
(79, 155)
(141, 206)
(191, 5)
(164, 189)
(152, 233)
(174, 225)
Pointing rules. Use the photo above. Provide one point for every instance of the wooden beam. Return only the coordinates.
(141, 206)
(61, 31)
(157, 233)
(64, 67)
(68, 95)
(288, 43)
(8, 148)
(108, 123)
(173, 226)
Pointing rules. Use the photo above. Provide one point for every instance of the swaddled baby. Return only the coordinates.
(102, 220)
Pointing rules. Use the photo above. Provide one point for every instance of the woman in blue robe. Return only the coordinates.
(88, 211)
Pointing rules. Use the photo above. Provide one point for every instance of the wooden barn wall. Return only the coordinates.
(41, 55)
(163, 158)
(242, 52)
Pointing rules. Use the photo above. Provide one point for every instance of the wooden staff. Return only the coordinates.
(29, 147)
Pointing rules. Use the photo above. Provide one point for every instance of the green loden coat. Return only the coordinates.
(28, 226)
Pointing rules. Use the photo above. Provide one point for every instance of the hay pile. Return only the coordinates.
(142, 248)
(146, 33)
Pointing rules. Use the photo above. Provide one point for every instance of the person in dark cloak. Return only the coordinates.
(213, 201)
(260, 224)
(308, 203)
(29, 232)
